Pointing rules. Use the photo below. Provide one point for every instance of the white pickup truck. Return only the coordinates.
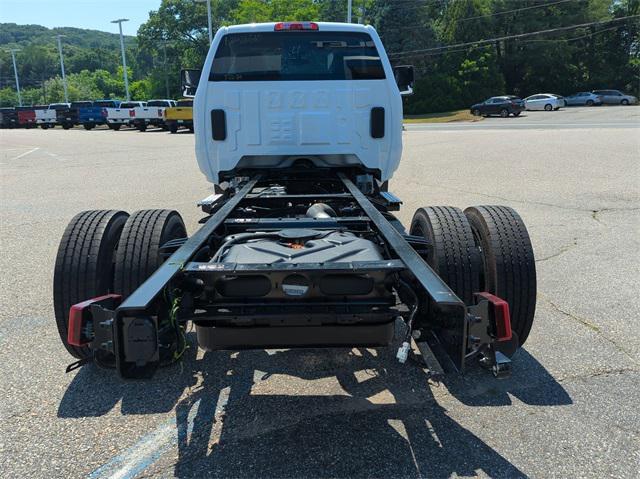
(45, 117)
(150, 115)
(123, 115)
(300, 126)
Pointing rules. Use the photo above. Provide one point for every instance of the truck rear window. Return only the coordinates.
(185, 103)
(105, 104)
(293, 56)
(81, 104)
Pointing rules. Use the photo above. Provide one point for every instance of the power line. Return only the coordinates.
(504, 12)
(574, 38)
(509, 37)
(531, 41)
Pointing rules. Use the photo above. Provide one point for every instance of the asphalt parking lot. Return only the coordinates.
(570, 408)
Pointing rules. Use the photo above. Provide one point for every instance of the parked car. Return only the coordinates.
(45, 118)
(499, 105)
(180, 115)
(26, 117)
(544, 101)
(122, 115)
(615, 97)
(68, 117)
(151, 115)
(584, 98)
(8, 118)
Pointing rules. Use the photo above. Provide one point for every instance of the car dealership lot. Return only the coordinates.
(569, 410)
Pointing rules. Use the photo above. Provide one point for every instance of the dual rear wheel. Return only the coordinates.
(108, 251)
(484, 248)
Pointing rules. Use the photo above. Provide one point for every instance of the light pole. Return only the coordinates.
(124, 60)
(349, 11)
(64, 78)
(166, 74)
(15, 71)
(208, 19)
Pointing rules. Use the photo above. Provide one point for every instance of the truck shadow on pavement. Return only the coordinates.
(243, 417)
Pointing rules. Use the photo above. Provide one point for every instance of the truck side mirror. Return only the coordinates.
(189, 80)
(404, 78)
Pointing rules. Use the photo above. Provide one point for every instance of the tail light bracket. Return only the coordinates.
(86, 322)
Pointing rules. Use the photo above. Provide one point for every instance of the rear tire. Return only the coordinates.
(66, 127)
(475, 112)
(548, 107)
(138, 253)
(88, 126)
(454, 255)
(504, 113)
(509, 269)
(84, 265)
(115, 127)
(589, 102)
(173, 128)
(624, 102)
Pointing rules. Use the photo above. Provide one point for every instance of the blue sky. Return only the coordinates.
(93, 14)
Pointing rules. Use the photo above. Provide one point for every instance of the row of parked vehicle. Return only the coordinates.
(167, 114)
(512, 105)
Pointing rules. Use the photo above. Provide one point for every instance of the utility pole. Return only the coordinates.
(349, 11)
(166, 74)
(64, 78)
(15, 71)
(209, 22)
(124, 60)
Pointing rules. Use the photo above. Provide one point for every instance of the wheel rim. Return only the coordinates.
(504, 113)
(548, 107)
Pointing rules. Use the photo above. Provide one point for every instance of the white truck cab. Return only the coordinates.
(274, 94)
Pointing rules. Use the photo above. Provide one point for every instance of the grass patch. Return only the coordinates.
(446, 117)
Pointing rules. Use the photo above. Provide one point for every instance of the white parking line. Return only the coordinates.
(24, 154)
(152, 446)
(145, 452)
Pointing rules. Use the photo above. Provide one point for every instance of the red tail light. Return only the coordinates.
(287, 26)
(80, 317)
(132, 113)
(104, 112)
(501, 315)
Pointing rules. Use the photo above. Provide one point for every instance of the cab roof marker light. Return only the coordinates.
(287, 26)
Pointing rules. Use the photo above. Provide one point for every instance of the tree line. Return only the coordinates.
(463, 50)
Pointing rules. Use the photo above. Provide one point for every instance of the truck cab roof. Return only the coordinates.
(297, 26)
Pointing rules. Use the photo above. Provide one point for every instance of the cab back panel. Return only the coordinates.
(272, 123)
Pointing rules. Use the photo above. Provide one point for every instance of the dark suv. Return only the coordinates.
(499, 105)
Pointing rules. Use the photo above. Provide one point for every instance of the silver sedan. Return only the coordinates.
(583, 98)
(615, 97)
